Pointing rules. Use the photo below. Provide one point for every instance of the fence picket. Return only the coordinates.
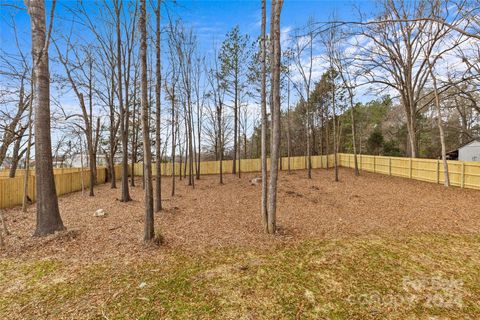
(11, 189)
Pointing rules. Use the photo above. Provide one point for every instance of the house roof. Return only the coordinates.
(469, 142)
(463, 145)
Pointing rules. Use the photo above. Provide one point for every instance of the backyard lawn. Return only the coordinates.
(371, 247)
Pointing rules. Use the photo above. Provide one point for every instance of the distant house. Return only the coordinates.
(7, 163)
(76, 160)
(467, 152)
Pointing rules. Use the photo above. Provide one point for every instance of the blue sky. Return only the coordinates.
(210, 20)
(213, 19)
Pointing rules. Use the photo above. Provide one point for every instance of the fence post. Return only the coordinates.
(410, 168)
(438, 171)
(463, 175)
(389, 166)
(374, 164)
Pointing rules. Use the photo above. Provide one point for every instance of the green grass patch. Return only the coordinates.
(359, 278)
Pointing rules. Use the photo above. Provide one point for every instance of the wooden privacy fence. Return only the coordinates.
(462, 174)
(4, 173)
(66, 180)
(245, 165)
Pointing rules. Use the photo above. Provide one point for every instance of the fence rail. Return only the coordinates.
(4, 173)
(66, 180)
(462, 174)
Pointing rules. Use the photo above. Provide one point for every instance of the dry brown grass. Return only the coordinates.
(213, 215)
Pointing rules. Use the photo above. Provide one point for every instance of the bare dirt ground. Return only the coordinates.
(216, 216)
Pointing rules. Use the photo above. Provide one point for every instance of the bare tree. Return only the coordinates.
(344, 66)
(218, 94)
(149, 231)
(263, 98)
(27, 156)
(48, 213)
(303, 49)
(173, 95)
(276, 62)
(106, 65)
(125, 195)
(439, 123)
(185, 43)
(17, 154)
(80, 64)
(173, 120)
(158, 85)
(200, 103)
(11, 123)
(331, 41)
(16, 70)
(394, 57)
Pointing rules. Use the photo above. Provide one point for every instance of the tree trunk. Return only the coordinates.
(264, 203)
(113, 182)
(48, 213)
(335, 138)
(199, 124)
(92, 170)
(440, 125)
(16, 154)
(27, 158)
(191, 181)
(327, 137)
(173, 139)
(220, 138)
(149, 231)
(354, 138)
(288, 126)
(93, 139)
(133, 157)
(309, 153)
(81, 165)
(235, 131)
(275, 36)
(125, 196)
(158, 156)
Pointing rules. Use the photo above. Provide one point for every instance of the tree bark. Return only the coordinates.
(440, 125)
(133, 156)
(158, 150)
(149, 231)
(220, 139)
(354, 138)
(275, 36)
(288, 126)
(264, 202)
(335, 137)
(48, 213)
(27, 157)
(113, 133)
(125, 195)
(16, 154)
(173, 137)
